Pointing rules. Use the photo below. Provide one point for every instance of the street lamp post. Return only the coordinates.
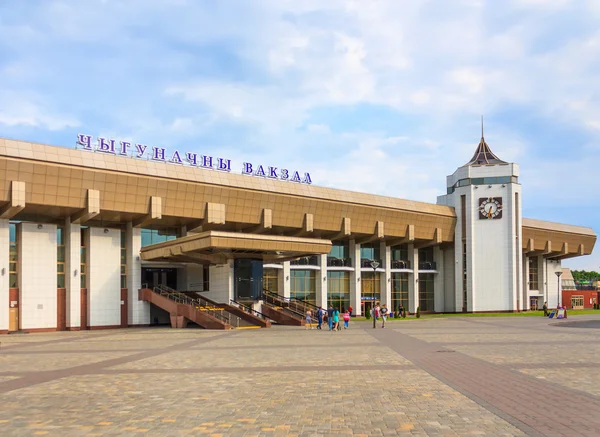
(558, 295)
(374, 265)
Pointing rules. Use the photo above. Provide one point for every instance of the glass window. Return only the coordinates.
(13, 277)
(270, 280)
(371, 286)
(303, 285)
(426, 255)
(338, 290)
(399, 291)
(340, 250)
(400, 253)
(533, 273)
(426, 291)
(370, 251)
(477, 181)
(205, 278)
(154, 236)
(60, 257)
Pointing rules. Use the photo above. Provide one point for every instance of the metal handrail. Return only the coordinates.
(199, 304)
(249, 310)
(294, 307)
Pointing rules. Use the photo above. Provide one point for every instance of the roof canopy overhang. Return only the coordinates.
(215, 247)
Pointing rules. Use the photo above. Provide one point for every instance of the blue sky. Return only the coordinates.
(375, 96)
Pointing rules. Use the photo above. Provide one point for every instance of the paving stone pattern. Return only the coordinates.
(436, 377)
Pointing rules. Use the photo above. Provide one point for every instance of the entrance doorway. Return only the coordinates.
(533, 303)
(154, 276)
(367, 306)
(248, 279)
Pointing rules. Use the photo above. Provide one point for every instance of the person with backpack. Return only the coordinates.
(346, 319)
(384, 313)
(330, 317)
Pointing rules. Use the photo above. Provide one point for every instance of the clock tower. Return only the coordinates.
(487, 253)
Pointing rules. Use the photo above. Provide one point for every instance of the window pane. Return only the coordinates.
(60, 280)
(12, 281)
(60, 254)
(123, 281)
(83, 284)
(13, 233)
(60, 268)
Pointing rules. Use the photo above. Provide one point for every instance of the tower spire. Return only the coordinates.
(482, 126)
(483, 154)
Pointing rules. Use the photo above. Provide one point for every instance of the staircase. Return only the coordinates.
(285, 310)
(183, 308)
(251, 317)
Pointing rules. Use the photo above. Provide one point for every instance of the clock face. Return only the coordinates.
(490, 208)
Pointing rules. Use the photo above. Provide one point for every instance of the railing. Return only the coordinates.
(339, 262)
(249, 310)
(297, 308)
(365, 262)
(200, 304)
(400, 264)
(427, 265)
(306, 261)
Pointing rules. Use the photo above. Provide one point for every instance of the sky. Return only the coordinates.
(377, 96)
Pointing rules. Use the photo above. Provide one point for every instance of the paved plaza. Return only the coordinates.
(492, 376)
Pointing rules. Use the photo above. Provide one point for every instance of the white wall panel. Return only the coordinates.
(37, 255)
(139, 311)
(4, 264)
(72, 281)
(104, 271)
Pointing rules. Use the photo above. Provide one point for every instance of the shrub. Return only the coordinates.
(367, 314)
(418, 312)
(404, 314)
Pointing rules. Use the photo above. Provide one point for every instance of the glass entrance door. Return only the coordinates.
(159, 276)
(248, 279)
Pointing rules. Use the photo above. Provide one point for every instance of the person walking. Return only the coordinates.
(400, 310)
(336, 320)
(330, 317)
(545, 307)
(346, 319)
(308, 323)
(384, 314)
(375, 314)
(320, 318)
(350, 310)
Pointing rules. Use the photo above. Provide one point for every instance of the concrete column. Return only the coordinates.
(138, 311)
(355, 290)
(438, 281)
(525, 274)
(286, 290)
(4, 273)
(543, 278)
(413, 285)
(386, 280)
(73, 273)
(322, 282)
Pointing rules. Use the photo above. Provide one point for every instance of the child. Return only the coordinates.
(346, 319)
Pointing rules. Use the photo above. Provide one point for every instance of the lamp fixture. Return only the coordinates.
(389, 279)
(324, 278)
(358, 279)
(75, 272)
(287, 278)
(106, 231)
(40, 226)
(489, 186)
(3, 271)
(503, 185)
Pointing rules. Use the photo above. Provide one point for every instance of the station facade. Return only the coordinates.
(82, 231)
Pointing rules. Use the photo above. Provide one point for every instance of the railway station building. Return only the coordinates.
(102, 235)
